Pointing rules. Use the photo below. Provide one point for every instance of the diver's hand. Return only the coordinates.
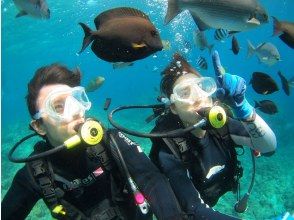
(231, 89)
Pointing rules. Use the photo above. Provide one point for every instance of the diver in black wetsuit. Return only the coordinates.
(202, 165)
(82, 183)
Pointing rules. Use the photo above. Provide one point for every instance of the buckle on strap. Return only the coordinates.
(38, 167)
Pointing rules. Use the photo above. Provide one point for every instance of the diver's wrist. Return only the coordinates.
(244, 110)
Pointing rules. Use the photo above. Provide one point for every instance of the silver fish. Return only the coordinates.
(267, 53)
(234, 15)
(34, 8)
(201, 41)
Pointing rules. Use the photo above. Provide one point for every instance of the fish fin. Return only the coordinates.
(256, 104)
(277, 26)
(200, 24)
(287, 40)
(117, 13)
(172, 11)
(250, 82)
(210, 47)
(254, 21)
(137, 46)
(184, 66)
(88, 38)
(265, 92)
(38, 4)
(251, 49)
(21, 13)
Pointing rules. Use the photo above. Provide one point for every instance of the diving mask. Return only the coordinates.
(62, 104)
(192, 89)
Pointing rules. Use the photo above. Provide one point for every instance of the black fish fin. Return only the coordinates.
(200, 24)
(256, 104)
(172, 11)
(287, 40)
(277, 26)
(21, 13)
(38, 4)
(118, 12)
(88, 38)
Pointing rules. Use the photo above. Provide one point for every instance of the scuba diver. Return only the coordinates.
(110, 179)
(202, 164)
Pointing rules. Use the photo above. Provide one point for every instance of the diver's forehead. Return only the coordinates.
(185, 77)
(45, 90)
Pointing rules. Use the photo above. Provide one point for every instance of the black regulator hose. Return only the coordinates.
(33, 157)
(215, 117)
(90, 133)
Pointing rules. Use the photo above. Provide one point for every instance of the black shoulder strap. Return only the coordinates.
(173, 148)
(41, 175)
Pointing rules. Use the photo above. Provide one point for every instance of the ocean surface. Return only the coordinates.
(29, 43)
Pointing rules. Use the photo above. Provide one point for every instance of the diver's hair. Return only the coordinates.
(48, 75)
(178, 67)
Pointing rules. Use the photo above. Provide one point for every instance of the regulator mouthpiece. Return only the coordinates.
(90, 133)
(216, 116)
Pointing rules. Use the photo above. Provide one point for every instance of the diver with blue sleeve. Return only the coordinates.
(195, 137)
(202, 164)
(231, 90)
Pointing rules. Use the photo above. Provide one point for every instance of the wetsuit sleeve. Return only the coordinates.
(20, 198)
(254, 133)
(148, 178)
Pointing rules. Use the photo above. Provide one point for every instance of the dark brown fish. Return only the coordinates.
(287, 30)
(262, 83)
(235, 45)
(285, 83)
(123, 35)
(266, 106)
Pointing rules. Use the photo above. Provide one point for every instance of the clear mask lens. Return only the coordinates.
(63, 104)
(191, 90)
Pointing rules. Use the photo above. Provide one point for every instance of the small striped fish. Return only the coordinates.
(201, 63)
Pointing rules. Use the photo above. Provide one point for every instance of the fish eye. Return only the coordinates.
(154, 33)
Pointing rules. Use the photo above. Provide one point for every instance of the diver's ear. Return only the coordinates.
(38, 127)
(173, 109)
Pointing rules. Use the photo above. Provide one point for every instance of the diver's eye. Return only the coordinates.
(154, 33)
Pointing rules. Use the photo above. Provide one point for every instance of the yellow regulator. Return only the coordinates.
(217, 117)
(90, 133)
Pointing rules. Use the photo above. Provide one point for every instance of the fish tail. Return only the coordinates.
(88, 38)
(277, 26)
(172, 10)
(251, 49)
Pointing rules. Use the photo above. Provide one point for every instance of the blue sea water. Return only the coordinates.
(28, 44)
